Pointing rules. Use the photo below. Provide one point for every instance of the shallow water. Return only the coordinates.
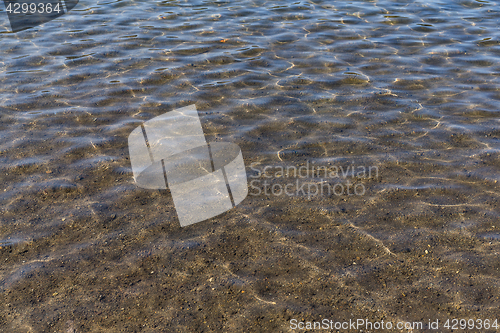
(409, 88)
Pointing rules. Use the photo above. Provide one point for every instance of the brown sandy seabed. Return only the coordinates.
(105, 255)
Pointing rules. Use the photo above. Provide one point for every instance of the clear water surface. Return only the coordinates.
(409, 87)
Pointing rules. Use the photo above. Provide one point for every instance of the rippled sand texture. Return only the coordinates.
(410, 88)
